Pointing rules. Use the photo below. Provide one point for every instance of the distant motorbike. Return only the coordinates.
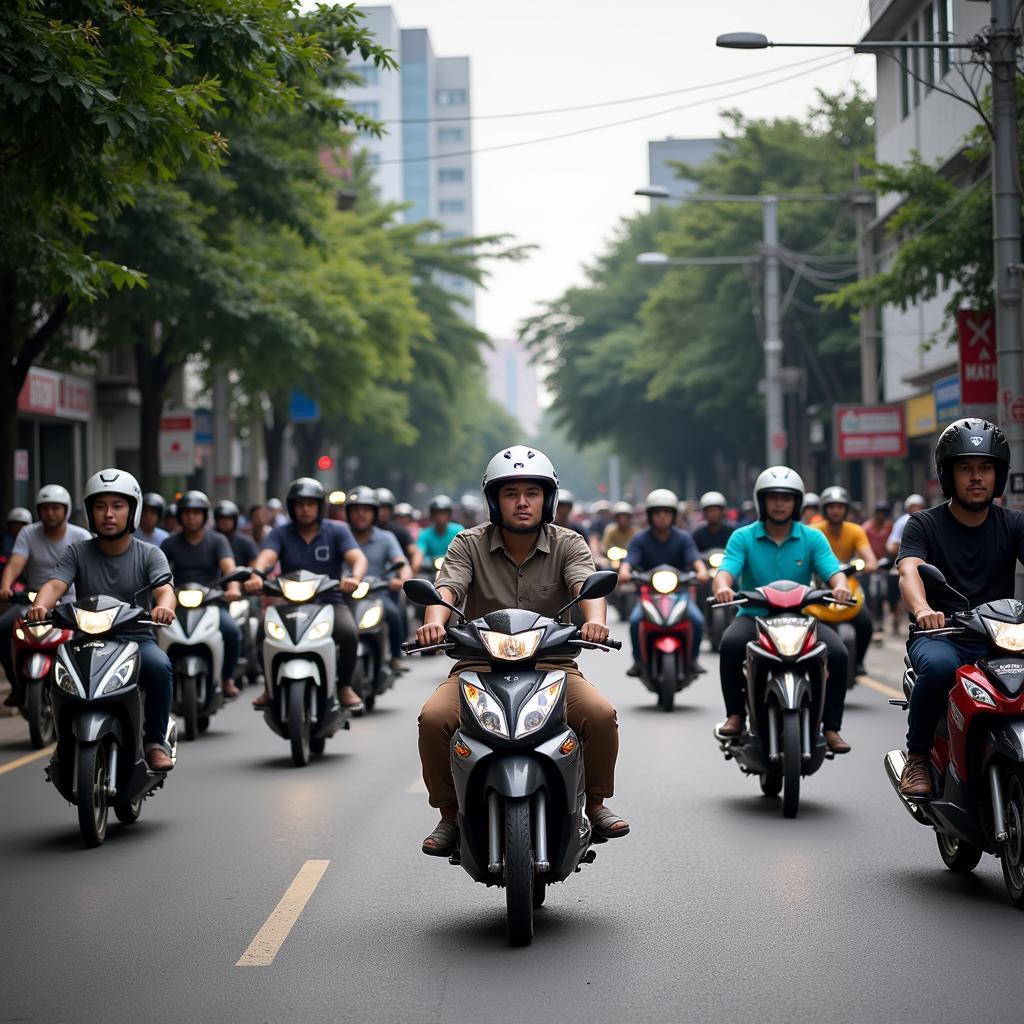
(518, 767)
(246, 613)
(367, 603)
(99, 761)
(428, 570)
(719, 618)
(623, 597)
(977, 762)
(840, 617)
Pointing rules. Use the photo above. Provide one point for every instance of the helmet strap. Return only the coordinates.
(521, 529)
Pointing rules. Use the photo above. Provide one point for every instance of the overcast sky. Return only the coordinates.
(567, 196)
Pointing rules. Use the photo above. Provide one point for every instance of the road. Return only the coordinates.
(714, 909)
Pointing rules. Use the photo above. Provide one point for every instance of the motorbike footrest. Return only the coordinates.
(456, 858)
(905, 705)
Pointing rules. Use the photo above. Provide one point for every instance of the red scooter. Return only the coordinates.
(33, 647)
(977, 761)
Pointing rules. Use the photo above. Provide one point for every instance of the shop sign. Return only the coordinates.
(921, 415)
(947, 398)
(177, 443)
(21, 465)
(48, 393)
(870, 431)
(978, 379)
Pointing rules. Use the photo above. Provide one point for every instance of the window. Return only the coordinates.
(902, 57)
(369, 73)
(449, 135)
(928, 56)
(946, 30)
(369, 109)
(915, 65)
(452, 97)
(452, 206)
(449, 236)
(451, 174)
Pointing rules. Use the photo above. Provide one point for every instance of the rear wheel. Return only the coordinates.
(128, 813)
(667, 678)
(92, 792)
(1013, 852)
(190, 706)
(958, 855)
(317, 744)
(519, 883)
(298, 724)
(791, 763)
(39, 712)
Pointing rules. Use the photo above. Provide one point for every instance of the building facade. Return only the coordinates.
(512, 382)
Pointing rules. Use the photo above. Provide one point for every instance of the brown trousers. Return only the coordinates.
(590, 715)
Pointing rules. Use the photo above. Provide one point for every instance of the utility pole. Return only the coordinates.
(775, 427)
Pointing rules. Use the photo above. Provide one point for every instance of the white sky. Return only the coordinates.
(567, 196)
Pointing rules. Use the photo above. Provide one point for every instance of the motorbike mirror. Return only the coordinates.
(160, 581)
(596, 585)
(396, 565)
(423, 592)
(934, 578)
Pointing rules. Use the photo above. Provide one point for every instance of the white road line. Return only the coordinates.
(271, 937)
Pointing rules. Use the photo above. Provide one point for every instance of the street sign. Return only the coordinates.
(947, 398)
(302, 408)
(870, 432)
(177, 443)
(977, 356)
(21, 465)
(202, 420)
(779, 441)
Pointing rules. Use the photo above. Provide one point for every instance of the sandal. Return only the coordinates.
(604, 821)
(443, 840)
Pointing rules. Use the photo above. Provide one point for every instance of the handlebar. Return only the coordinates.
(413, 646)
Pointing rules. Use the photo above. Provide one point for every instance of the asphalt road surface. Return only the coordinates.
(254, 891)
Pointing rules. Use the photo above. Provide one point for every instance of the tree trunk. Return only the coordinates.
(153, 367)
(273, 436)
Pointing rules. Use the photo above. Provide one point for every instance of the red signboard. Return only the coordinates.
(870, 432)
(977, 357)
(47, 393)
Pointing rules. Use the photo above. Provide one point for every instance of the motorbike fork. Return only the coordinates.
(494, 858)
(112, 770)
(998, 820)
(805, 733)
(540, 832)
(773, 733)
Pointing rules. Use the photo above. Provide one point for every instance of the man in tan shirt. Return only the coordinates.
(518, 560)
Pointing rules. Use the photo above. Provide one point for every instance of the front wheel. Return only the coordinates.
(190, 706)
(519, 885)
(667, 678)
(958, 855)
(92, 792)
(39, 712)
(1013, 852)
(298, 724)
(791, 763)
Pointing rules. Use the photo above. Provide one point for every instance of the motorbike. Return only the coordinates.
(300, 664)
(785, 683)
(719, 618)
(518, 767)
(666, 636)
(99, 762)
(428, 570)
(367, 603)
(623, 598)
(194, 644)
(246, 613)
(34, 646)
(977, 762)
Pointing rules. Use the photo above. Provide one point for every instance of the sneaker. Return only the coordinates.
(916, 780)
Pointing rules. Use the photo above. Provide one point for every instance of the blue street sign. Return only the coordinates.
(202, 426)
(302, 408)
(947, 398)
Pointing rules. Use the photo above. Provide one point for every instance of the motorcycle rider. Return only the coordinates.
(518, 558)
(199, 555)
(433, 540)
(778, 547)
(663, 543)
(563, 513)
(323, 546)
(621, 530)
(115, 563)
(225, 518)
(976, 543)
(386, 521)
(849, 541)
(914, 503)
(153, 510)
(381, 549)
(17, 519)
(714, 532)
(811, 515)
(35, 553)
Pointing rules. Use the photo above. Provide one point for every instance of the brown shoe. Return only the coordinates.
(733, 726)
(158, 760)
(230, 690)
(835, 742)
(916, 780)
(262, 701)
(349, 699)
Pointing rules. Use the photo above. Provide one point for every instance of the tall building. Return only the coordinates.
(512, 382)
(423, 158)
(663, 153)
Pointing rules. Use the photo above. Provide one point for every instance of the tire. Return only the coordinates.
(92, 793)
(792, 763)
(39, 712)
(667, 679)
(298, 724)
(519, 886)
(771, 783)
(128, 813)
(1012, 857)
(960, 856)
(190, 706)
(203, 723)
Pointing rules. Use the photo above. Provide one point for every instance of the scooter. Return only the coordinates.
(245, 612)
(33, 647)
(99, 761)
(194, 644)
(840, 617)
(301, 665)
(666, 636)
(518, 767)
(977, 762)
(785, 677)
(428, 570)
(367, 603)
(719, 618)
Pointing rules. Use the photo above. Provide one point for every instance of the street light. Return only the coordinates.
(757, 41)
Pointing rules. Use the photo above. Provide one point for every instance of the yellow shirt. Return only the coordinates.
(615, 537)
(851, 539)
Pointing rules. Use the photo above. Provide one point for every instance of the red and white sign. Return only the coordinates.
(870, 432)
(21, 465)
(48, 393)
(177, 443)
(977, 357)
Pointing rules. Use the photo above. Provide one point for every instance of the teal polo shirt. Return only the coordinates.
(753, 559)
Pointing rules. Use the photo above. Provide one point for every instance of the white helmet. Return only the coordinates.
(712, 499)
(54, 494)
(914, 499)
(779, 478)
(114, 481)
(520, 462)
(661, 497)
(19, 515)
(622, 508)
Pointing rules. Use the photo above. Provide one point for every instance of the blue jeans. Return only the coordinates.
(232, 643)
(694, 616)
(157, 684)
(935, 660)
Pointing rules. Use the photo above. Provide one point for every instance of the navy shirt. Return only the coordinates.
(324, 554)
(706, 540)
(646, 551)
(243, 547)
(196, 563)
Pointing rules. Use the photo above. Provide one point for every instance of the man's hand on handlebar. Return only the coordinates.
(429, 634)
(594, 632)
(254, 584)
(348, 584)
(162, 615)
(36, 613)
(928, 619)
(841, 594)
(724, 595)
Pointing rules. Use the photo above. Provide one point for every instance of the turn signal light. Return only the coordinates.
(568, 745)
(462, 750)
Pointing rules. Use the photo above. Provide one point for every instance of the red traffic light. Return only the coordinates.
(324, 462)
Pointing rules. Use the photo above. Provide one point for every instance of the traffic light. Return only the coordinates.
(325, 462)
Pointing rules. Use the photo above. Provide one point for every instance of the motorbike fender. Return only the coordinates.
(667, 644)
(90, 726)
(190, 666)
(514, 776)
(789, 689)
(37, 666)
(298, 668)
(1004, 740)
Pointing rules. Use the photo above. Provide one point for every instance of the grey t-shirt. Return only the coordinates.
(196, 563)
(43, 553)
(381, 550)
(91, 572)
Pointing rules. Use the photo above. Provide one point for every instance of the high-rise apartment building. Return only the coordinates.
(512, 382)
(423, 157)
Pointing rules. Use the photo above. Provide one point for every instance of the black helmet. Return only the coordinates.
(386, 497)
(153, 500)
(305, 487)
(441, 503)
(363, 495)
(971, 437)
(194, 499)
(225, 509)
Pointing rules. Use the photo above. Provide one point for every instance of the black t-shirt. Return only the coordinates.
(979, 561)
(243, 547)
(706, 540)
(402, 535)
(196, 563)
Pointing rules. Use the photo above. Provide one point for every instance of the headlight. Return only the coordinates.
(62, 677)
(20, 633)
(438, 562)
(616, 554)
(319, 631)
(95, 622)
(38, 631)
(361, 591)
(190, 598)
(371, 617)
(275, 629)
(122, 677)
(299, 590)
(535, 711)
(788, 637)
(1007, 635)
(239, 607)
(487, 711)
(664, 581)
(715, 560)
(511, 647)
